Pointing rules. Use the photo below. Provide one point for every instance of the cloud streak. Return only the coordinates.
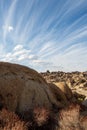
(44, 34)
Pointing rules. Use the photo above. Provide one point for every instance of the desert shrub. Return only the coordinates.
(83, 122)
(48, 71)
(44, 119)
(10, 121)
(71, 119)
(41, 118)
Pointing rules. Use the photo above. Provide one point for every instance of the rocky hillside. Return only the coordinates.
(73, 78)
(77, 81)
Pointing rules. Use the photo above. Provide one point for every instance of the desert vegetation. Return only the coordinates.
(41, 118)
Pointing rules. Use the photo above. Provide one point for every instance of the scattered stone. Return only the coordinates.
(76, 81)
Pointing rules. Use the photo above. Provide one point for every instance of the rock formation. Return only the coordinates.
(65, 89)
(22, 88)
(58, 94)
(76, 81)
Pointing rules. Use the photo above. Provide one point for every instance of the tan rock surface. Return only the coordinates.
(64, 88)
(22, 88)
(58, 94)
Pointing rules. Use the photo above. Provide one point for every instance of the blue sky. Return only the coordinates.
(44, 34)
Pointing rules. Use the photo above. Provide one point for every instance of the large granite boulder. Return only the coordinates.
(22, 88)
(59, 95)
(65, 89)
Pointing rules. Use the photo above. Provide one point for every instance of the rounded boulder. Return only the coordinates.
(22, 88)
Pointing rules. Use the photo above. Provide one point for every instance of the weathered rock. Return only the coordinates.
(22, 88)
(65, 89)
(59, 95)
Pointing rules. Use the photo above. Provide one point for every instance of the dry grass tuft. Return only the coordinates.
(44, 119)
(70, 119)
(41, 115)
(10, 121)
(41, 118)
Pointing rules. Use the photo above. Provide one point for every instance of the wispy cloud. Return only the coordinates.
(8, 28)
(44, 34)
(9, 20)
